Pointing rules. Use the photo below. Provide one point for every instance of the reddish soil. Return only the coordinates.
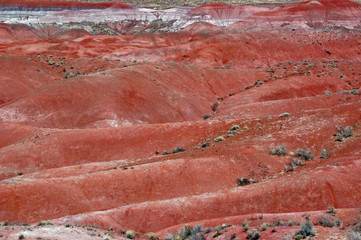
(63, 4)
(88, 127)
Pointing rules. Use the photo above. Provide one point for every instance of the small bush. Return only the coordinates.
(284, 115)
(185, 232)
(264, 226)
(291, 167)
(197, 236)
(338, 222)
(343, 133)
(206, 116)
(298, 237)
(253, 235)
(326, 221)
(279, 150)
(5, 223)
(208, 230)
(178, 149)
(218, 232)
(331, 210)
(306, 228)
(219, 139)
(352, 235)
(234, 128)
(151, 236)
(245, 181)
(170, 237)
(304, 154)
(280, 223)
(297, 162)
(205, 144)
(130, 234)
(326, 92)
(246, 224)
(197, 229)
(291, 223)
(44, 223)
(21, 236)
(324, 154)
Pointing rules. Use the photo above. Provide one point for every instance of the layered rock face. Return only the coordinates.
(116, 117)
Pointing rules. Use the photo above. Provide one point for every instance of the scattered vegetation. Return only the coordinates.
(177, 150)
(326, 221)
(353, 235)
(218, 232)
(280, 223)
(354, 232)
(185, 232)
(306, 229)
(326, 92)
(206, 144)
(219, 139)
(4, 223)
(264, 226)
(206, 116)
(44, 223)
(324, 154)
(343, 133)
(245, 181)
(253, 235)
(331, 210)
(279, 150)
(283, 115)
(234, 128)
(291, 223)
(293, 164)
(304, 154)
(246, 224)
(151, 236)
(130, 234)
(289, 168)
(191, 233)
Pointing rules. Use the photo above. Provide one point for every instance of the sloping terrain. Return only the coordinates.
(218, 123)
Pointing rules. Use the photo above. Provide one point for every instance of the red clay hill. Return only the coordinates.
(212, 130)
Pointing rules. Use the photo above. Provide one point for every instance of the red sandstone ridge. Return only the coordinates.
(63, 4)
(230, 117)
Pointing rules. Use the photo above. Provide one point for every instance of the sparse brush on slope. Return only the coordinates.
(280, 150)
(343, 133)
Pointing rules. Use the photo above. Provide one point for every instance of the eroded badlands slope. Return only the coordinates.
(150, 131)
